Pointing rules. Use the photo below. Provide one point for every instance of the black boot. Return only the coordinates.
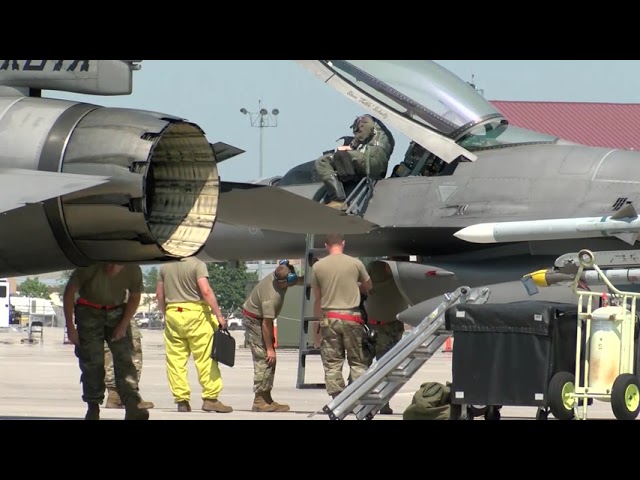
(335, 192)
(93, 412)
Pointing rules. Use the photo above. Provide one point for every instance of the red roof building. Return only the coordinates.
(614, 125)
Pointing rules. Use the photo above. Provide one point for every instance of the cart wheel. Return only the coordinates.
(478, 410)
(493, 413)
(542, 414)
(559, 393)
(625, 397)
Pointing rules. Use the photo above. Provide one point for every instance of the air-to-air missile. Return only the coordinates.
(625, 225)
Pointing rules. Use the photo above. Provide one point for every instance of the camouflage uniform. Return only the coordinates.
(95, 325)
(113, 399)
(383, 303)
(264, 302)
(337, 277)
(372, 143)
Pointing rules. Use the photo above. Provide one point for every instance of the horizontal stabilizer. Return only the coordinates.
(273, 208)
(224, 151)
(20, 187)
(93, 77)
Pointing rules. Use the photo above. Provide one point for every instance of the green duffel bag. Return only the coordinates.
(431, 402)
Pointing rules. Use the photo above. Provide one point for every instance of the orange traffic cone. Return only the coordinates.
(275, 333)
(448, 345)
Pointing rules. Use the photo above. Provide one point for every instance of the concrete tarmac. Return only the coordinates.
(42, 381)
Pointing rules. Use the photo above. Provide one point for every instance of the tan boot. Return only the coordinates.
(334, 204)
(145, 405)
(215, 405)
(184, 406)
(279, 407)
(113, 399)
(260, 404)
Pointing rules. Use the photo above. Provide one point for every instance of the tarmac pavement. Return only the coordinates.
(42, 381)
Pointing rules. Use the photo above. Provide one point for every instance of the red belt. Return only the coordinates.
(82, 301)
(250, 315)
(374, 322)
(345, 316)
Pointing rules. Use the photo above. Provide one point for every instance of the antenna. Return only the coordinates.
(473, 84)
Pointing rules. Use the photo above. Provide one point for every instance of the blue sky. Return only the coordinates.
(312, 115)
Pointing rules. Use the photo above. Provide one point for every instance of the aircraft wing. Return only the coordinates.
(274, 208)
(20, 187)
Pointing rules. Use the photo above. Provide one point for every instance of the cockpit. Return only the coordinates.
(430, 105)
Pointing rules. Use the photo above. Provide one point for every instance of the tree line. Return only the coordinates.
(230, 283)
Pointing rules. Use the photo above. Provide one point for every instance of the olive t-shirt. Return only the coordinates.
(96, 286)
(266, 299)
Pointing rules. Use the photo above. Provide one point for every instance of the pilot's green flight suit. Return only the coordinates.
(371, 144)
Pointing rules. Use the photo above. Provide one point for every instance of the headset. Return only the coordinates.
(292, 277)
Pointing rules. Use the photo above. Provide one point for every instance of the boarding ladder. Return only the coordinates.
(304, 348)
(372, 390)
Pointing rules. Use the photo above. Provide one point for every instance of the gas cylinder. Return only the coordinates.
(604, 346)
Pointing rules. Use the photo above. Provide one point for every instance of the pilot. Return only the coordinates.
(260, 309)
(372, 144)
(384, 301)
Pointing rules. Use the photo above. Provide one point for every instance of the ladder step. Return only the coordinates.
(310, 351)
(402, 376)
(421, 352)
(371, 399)
(312, 385)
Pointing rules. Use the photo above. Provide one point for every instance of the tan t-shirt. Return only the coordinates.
(337, 277)
(180, 280)
(266, 299)
(97, 287)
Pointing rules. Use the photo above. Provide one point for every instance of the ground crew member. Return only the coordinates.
(183, 293)
(384, 301)
(337, 281)
(113, 399)
(261, 307)
(101, 314)
(372, 143)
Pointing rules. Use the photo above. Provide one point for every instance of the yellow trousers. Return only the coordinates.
(189, 330)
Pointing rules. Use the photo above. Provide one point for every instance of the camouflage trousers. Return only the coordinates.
(95, 327)
(263, 374)
(340, 338)
(387, 336)
(378, 162)
(109, 378)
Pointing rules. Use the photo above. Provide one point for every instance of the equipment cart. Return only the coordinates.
(608, 369)
(509, 354)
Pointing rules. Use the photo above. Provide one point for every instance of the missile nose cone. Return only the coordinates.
(480, 233)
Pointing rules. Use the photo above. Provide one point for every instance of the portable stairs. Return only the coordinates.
(371, 391)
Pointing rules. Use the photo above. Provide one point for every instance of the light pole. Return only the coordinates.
(262, 119)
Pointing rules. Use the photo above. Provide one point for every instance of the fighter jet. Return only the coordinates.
(82, 183)
(465, 165)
